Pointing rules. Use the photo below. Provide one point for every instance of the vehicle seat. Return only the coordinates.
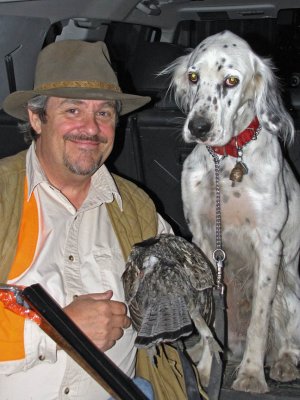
(11, 138)
(153, 150)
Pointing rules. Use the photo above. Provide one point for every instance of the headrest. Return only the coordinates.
(149, 59)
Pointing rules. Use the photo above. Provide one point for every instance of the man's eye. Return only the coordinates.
(105, 114)
(72, 110)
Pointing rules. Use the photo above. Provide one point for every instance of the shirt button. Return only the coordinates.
(41, 358)
(67, 390)
(71, 258)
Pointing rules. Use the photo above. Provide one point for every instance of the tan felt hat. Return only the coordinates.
(73, 69)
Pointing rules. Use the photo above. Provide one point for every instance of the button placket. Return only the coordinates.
(72, 275)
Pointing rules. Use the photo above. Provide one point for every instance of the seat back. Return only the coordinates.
(153, 150)
(11, 138)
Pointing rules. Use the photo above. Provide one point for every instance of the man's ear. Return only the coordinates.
(35, 122)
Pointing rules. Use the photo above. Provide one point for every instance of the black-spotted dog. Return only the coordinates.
(235, 113)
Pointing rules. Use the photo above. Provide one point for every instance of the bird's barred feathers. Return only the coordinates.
(167, 281)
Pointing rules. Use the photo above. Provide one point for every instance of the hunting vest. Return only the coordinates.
(137, 221)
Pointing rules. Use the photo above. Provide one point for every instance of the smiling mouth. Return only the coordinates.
(85, 140)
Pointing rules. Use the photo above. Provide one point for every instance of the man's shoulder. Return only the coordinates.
(13, 164)
(129, 188)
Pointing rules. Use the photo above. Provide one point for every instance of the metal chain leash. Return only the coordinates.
(216, 374)
(218, 254)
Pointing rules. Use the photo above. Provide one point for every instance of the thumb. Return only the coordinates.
(103, 296)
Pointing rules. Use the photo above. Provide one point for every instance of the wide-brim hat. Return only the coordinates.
(73, 69)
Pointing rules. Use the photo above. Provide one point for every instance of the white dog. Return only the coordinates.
(235, 114)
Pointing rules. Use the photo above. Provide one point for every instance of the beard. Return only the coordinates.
(85, 164)
(84, 169)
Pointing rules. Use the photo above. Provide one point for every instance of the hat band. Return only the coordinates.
(79, 84)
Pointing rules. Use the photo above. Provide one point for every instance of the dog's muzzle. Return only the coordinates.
(199, 127)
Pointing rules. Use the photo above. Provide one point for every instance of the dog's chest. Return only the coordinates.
(200, 191)
(236, 203)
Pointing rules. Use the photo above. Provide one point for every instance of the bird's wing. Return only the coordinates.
(135, 314)
(199, 270)
(130, 279)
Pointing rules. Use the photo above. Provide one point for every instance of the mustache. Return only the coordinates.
(85, 138)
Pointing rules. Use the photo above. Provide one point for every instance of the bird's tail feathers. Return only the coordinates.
(165, 321)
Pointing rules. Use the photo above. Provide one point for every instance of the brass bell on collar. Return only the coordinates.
(238, 171)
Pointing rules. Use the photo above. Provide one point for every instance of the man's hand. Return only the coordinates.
(99, 317)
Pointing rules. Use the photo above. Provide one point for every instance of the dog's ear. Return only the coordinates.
(179, 82)
(270, 110)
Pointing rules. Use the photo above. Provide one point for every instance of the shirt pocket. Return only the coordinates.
(110, 267)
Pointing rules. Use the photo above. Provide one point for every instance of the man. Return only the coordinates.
(67, 223)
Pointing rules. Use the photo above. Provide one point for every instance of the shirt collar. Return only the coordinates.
(103, 187)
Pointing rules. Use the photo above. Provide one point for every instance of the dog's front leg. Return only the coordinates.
(251, 376)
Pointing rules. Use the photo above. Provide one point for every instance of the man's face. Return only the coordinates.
(77, 137)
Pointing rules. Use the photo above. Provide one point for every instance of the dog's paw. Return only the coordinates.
(250, 383)
(284, 370)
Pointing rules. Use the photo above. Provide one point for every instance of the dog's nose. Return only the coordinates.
(199, 127)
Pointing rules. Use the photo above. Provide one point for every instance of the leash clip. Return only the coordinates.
(219, 256)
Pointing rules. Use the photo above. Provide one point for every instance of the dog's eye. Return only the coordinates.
(193, 77)
(231, 81)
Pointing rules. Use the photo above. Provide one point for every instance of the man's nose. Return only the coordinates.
(90, 123)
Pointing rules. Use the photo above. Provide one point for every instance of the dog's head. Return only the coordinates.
(221, 85)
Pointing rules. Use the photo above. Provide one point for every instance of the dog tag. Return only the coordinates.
(238, 171)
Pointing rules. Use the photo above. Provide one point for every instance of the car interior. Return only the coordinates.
(143, 37)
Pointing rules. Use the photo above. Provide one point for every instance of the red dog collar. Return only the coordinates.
(237, 142)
